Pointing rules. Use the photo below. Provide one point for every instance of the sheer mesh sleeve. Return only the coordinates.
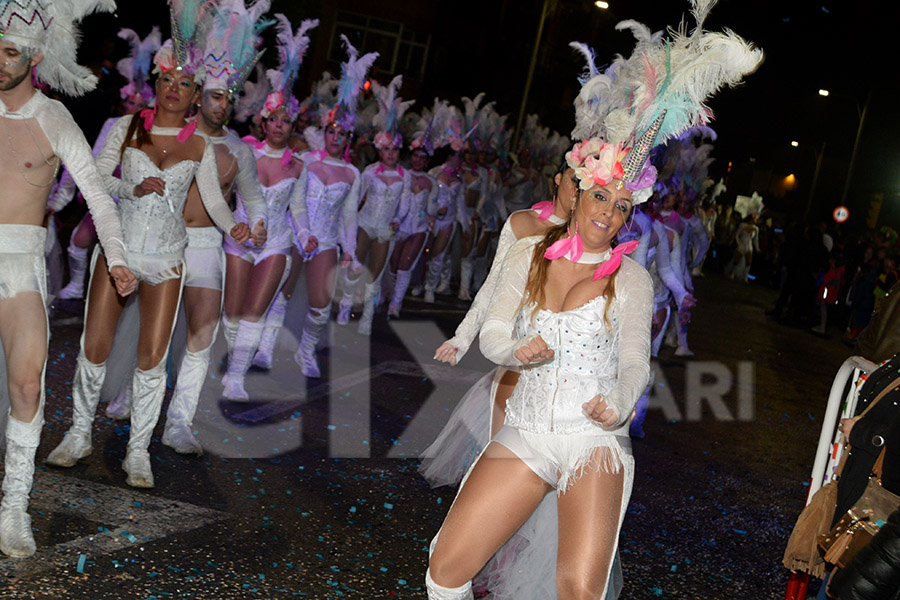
(247, 181)
(497, 339)
(110, 156)
(664, 264)
(73, 150)
(348, 218)
(405, 194)
(471, 324)
(634, 309)
(207, 179)
(299, 213)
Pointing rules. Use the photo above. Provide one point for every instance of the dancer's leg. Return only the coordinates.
(320, 281)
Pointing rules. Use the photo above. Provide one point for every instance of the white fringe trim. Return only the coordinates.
(572, 454)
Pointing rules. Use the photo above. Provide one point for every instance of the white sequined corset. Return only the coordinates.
(451, 197)
(549, 395)
(589, 357)
(154, 224)
(324, 208)
(278, 199)
(416, 219)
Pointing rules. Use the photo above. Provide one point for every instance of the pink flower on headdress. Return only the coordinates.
(274, 101)
(601, 165)
(384, 140)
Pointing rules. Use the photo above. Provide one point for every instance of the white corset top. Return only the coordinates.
(154, 224)
(382, 201)
(278, 198)
(449, 196)
(324, 204)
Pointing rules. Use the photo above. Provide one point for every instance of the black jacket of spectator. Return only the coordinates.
(874, 573)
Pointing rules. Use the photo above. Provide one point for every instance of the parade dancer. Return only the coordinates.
(493, 213)
(39, 38)
(255, 275)
(420, 217)
(160, 157)
(476, 181)
(324, 216)
(579, 445)
(385, 191)
(134, 97)
(746, 238)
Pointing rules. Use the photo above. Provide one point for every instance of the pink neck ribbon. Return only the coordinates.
(186, 132)
(148, 114)
(287, 156)
(544, 209)
(608, 267)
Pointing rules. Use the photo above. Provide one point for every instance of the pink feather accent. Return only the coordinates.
(545, 209)
(287, 157)
(148, 114)
(650, 83)
(570, 247)
(610, 266)
(186, 132)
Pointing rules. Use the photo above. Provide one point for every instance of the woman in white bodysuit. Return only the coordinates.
(160, 157)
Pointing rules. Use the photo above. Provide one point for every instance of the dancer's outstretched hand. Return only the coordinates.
(535, 351)
(597, 409)
(124, 279)
(446, 353)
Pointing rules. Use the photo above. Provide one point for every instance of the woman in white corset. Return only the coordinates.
(451, 209)
(160, 157)
(414, 227)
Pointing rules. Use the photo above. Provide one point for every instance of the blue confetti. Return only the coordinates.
(81, 560)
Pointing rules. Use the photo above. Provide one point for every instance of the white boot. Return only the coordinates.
(446, 274)
(178, 433)
(78, 264)
(433, 277)
(229, 329)
(147, 397)
(348, 287)
(465, 278)
(306, 352)
(274, 321)
(119, 408)
(245, 345)
(438, 592)
(370, 299)
(682, 351)
(400, 287)
(85, 395)
(22, 440)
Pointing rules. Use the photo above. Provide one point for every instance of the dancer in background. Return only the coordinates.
(324, 215)
(46, 134)
(385, 192)
(255, 274)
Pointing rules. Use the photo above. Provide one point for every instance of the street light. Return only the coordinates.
(601, 4)
(795, 143)
(823, 92)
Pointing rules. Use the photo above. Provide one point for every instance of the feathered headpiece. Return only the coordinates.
(428, 134)
(231, 44)
(489, 128)
(253, 96)
(471, 119)
(685, 160)
(533, 136)
(291, 48)
(190, 21)
(324, 94)
(50, 26)
(657, 93)
(391, 108)
(136, 67)
(748, 205)
(353, 75)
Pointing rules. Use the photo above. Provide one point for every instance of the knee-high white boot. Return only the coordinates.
(229, 329)
(274, 321)
(446, 274)
(85, 395)
(682, 350)
(465, 278)
(656, 342)
(348, 291)
(369, 301)
(439, 592)
(245, 345)
(178, 433)
(400, 286)
(306, 352)
(433, 277)
(78, 264)
(22, 440)
(147, 397)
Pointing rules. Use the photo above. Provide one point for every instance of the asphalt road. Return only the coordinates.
(314, 493)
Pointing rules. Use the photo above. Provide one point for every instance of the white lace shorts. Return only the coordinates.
(22, 263)
(204, 259)
(378, 234)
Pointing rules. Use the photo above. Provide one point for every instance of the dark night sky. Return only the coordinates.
(846, 47)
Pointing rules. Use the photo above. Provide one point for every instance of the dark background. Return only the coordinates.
(486, 45)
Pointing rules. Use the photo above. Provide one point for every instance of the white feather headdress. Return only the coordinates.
(391, 108)
(655, 94)
(231, 44)
(50, 26)
(253, 96)
(353, 75)
(291, 49)
(190, 21)
(136, 67)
